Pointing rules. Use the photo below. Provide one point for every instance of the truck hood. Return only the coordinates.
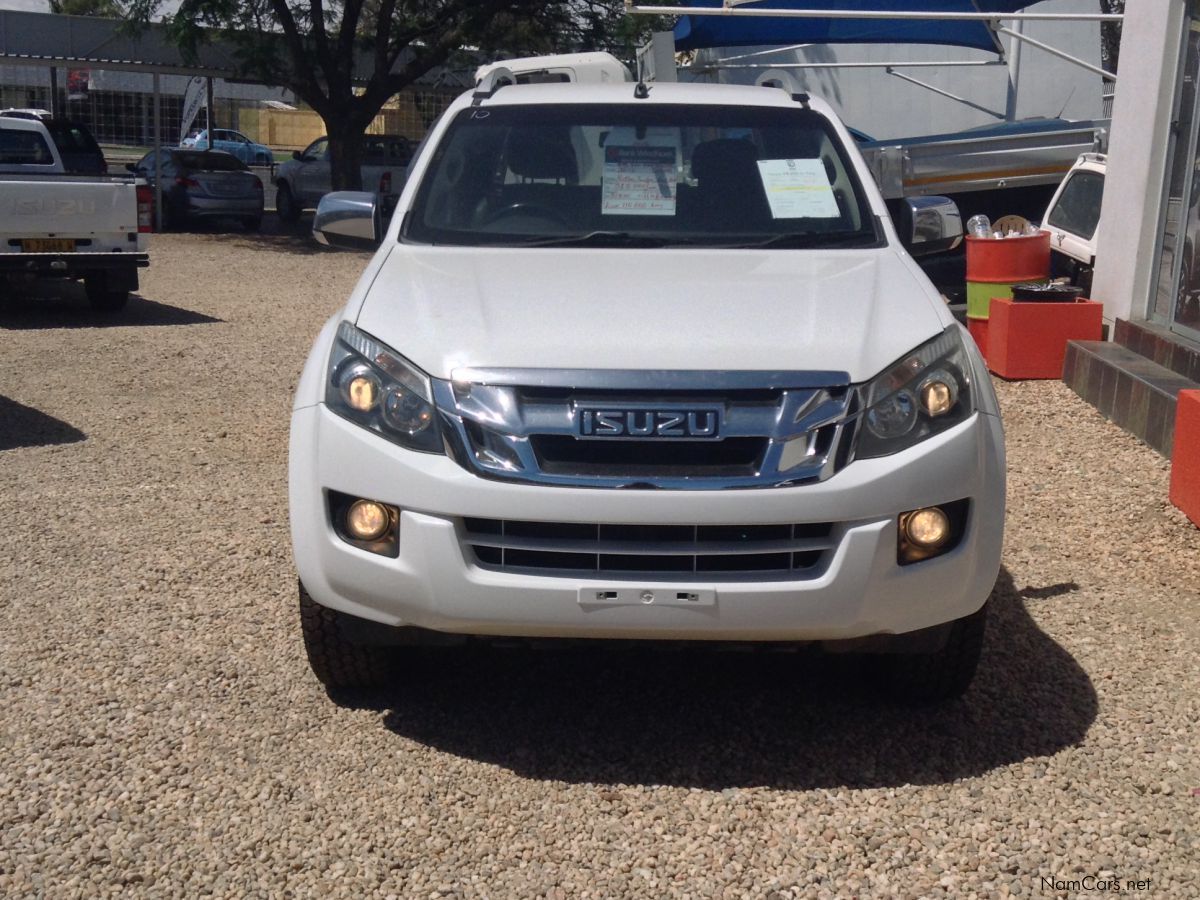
(842, 311)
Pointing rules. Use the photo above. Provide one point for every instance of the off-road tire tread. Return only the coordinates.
(926, 678)
(335, 661)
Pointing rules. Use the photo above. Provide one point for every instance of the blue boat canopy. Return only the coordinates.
(697, 32)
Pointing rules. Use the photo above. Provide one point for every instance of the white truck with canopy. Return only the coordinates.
(54, 225)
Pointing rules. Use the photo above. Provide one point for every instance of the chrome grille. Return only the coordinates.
(708, 552)
(776, 428)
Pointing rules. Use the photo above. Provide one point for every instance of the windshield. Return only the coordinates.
(392, 148)
(1078, 207)
(641, 174)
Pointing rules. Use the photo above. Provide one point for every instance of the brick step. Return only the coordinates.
(1134, 392)
(1161, 345)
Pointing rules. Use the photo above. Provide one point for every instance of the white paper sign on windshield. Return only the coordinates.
(639, 176)
(798, 189)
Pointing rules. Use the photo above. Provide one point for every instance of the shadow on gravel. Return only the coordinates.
(65, 306)
(297, 243)
(1049, 591)
(715, 720)
(275, 236)
(24, 426)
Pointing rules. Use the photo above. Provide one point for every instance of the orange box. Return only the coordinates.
(1029, 340)
(1185, 455)
(978, 326)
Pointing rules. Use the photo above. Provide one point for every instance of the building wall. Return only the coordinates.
(1133, 190)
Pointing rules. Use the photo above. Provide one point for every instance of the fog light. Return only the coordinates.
(367, 520)
(927, 528)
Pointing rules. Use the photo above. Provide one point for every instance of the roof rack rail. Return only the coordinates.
(492, 82)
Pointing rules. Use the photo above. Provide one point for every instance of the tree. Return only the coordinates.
(604, 25)
(103, 9)
(346, 58)
(1110, 34)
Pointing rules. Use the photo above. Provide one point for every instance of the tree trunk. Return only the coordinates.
(346, 155)
(1110, 35)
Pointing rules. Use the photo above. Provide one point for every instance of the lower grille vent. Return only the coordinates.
(715, 551)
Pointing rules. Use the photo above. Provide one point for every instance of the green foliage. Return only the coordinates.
(104, 9)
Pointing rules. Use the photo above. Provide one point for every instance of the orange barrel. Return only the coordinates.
(978, 326)
(995, 265)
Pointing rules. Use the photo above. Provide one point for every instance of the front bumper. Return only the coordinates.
(436, 584)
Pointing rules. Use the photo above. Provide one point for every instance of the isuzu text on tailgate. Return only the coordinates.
(650, 364)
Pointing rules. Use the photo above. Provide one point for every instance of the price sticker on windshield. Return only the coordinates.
(798, 189)
(639, 177)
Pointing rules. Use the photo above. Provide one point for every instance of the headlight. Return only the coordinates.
(927, 391)
(375, 387)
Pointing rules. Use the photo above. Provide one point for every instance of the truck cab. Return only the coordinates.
(1073, 220)
(578, 68)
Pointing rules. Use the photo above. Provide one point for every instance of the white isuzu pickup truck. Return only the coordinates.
(54, 225)
(645, 362)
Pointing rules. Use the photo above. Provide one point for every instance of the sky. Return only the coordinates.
(41, 5)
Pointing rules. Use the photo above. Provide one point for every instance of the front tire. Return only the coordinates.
(940, 675)
(335, 661)
(252, 223)
(285, 204)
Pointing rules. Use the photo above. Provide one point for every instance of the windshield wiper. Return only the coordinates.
(596, 239)
(808, 239)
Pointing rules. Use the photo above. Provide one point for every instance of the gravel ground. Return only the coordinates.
(160, 733)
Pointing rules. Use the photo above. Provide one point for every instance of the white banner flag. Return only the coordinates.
(194, 98)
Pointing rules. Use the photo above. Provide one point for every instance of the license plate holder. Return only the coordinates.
(648, 596)
(48, 245)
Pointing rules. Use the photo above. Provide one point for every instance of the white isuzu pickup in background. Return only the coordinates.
(54, 225)
(645, 363)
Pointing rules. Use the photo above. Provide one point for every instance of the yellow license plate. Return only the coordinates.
(48, 245)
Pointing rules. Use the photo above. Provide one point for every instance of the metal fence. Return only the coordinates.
(118, 107)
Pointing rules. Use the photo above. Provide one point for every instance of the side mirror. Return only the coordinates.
(350, 220)
(928, 224)
(297, 155)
